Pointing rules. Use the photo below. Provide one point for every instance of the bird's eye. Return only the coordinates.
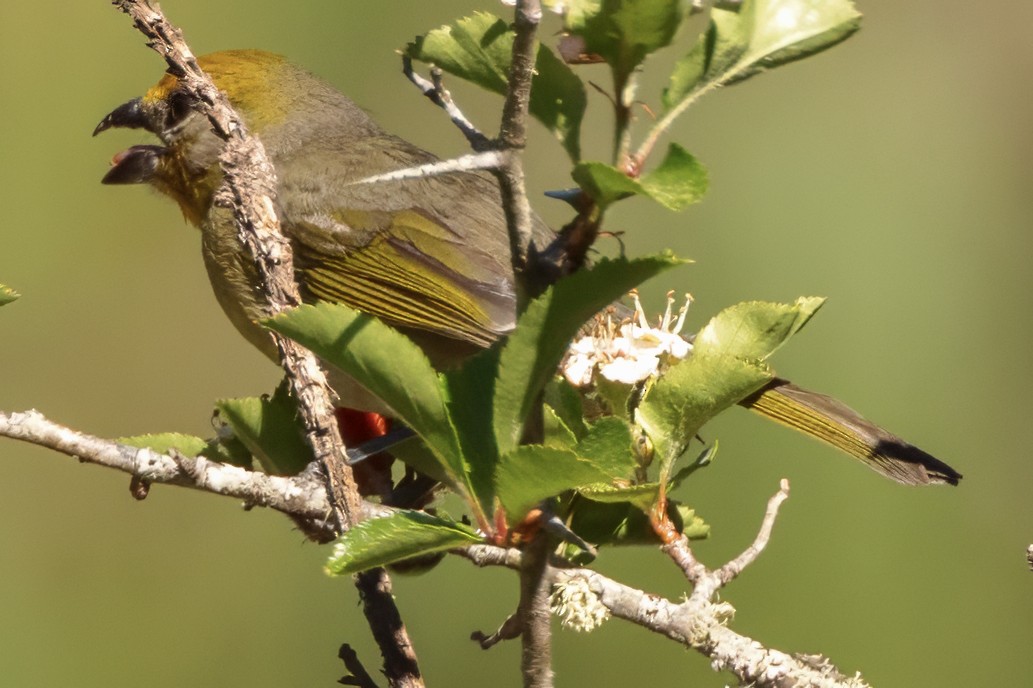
(180, 105)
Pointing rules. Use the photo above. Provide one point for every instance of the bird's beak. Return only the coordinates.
(128, 115)
(135, 165)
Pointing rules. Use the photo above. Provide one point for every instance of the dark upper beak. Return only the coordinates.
(129, 115)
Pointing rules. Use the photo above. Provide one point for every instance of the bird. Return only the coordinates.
(428, 255)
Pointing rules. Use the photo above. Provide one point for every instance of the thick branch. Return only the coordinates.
(248, 189)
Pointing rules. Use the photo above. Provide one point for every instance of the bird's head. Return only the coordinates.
(281, 103)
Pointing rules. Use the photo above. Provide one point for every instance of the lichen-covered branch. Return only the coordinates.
(302, 496)
(249, 189)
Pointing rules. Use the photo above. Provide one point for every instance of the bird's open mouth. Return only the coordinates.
(135, 165)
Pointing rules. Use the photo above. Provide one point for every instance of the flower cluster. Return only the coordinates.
(628, 351)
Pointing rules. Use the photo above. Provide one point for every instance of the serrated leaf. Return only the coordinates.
(268, 427)
(726, 366)
(759, 35)
(164, 442)
(691, 393)
(642, 495)
(531, 473)
(607, 444)
(565, 401)
(470, 391)
(605, 184)
(533, 351)
(385, 362)
(754, 329)
(678, 182)
(7, 295)
(402, 535)
(625, 524)
(479, 49)
(556, 432)
(625, 32)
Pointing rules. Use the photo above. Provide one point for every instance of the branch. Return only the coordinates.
(302, 496)
(698, 622)
(701, 626)
(248, 189)
(437, 93)
(705, 582)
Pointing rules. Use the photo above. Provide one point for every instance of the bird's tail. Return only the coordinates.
(833, 422)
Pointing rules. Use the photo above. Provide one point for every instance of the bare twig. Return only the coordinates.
(357, 674)
(437, 93)
(513, 137)
(729, 571)
(706, 582)
(511, 628)
(400, 665)
(302, 496)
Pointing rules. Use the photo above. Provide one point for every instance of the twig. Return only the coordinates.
(400, 665)
(511, 628)
(357, 674)
(729, 571)
(706, 582)
(535, 614)
(436, 92)
(513, 138)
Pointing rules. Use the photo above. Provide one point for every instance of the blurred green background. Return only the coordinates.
(890, 174)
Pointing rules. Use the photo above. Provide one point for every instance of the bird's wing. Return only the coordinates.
(430, 254)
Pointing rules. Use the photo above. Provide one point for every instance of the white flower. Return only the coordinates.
(630, 351)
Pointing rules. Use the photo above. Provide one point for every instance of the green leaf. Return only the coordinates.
(691, 393)
(761, 34)
(725, 367)
(625, 32)
(402, 535)
(642, 495)
(269, 428)
(607, 445)
(605, 184)
(385, 362)
(533, 351)
(557, 434)
(479, 49)
(625, 524)
(678, 182)
(754, 329)
(164, 442)
(532, 473)
(470, 391)
(565, 401)
(7, 295)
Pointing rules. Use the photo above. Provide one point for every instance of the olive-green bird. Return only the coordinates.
(428, 255)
